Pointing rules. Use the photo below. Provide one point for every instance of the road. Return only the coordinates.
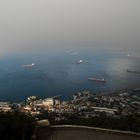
(77, 133)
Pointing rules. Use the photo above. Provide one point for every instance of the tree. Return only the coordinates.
(16, 126)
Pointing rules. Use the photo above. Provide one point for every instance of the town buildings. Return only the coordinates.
(84, 104)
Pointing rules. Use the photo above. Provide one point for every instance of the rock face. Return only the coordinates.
(79, 134)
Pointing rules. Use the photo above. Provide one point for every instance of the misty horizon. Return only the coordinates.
(103, 35)
(33, 25)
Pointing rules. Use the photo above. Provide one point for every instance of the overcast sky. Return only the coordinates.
(34, 24)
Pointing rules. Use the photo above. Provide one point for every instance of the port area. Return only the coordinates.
(82, 133)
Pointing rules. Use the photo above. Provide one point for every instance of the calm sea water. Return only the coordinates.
(57, 72)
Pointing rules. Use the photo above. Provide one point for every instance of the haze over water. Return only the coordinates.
(56, 34)
(58, 72)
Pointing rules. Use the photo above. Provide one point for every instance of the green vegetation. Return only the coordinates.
(15, 126)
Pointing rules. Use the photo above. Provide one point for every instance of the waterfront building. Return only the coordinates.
(48, 102)
(5, 107)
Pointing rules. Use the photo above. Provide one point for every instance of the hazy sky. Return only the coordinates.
(34, 24)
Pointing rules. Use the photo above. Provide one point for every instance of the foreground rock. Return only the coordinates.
(70, 133)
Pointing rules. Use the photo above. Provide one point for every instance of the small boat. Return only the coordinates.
(80, 61)
(96, 79)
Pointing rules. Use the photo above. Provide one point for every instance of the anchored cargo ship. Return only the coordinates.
(133, 71)
(96, 79)
(29, 65)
